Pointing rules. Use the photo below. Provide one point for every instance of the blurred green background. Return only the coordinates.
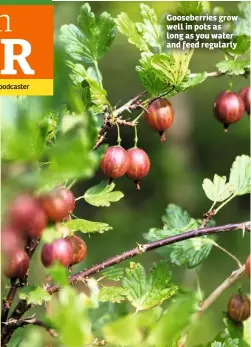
(196, 148)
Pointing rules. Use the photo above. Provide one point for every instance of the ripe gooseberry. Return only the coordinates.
(139, 165)
(59, 250)
(27, 216)
(159, 116)
(17, 264)
(228, 108)
(239, 308)
(58, 204)
(11, 239)
(247, 266)
(78, 249)
(245, 94)
(115, 162)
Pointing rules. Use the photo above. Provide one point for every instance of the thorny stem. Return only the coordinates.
(234, 277)
(228, 282)
(8, 301)
(22, 305)
(148, 247)
(31, 320)
(228, 253)
(135, 103)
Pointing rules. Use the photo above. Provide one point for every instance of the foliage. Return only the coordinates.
(46, 143)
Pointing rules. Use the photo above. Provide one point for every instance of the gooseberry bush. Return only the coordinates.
(50, 144)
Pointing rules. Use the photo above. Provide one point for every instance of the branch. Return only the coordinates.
(140, 249)
(22, 306)
(130, 105)
(234, 277)
(15, 284)
(134, 104)
(8, 301)
(31, 320)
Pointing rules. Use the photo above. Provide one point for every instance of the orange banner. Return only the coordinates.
(26, 44)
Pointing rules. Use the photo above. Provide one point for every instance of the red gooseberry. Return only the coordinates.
(139, 165)
(159, 116)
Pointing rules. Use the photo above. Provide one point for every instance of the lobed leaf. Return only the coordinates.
(183, 308)
(175, 217)
(86, 226)
(35, 295)
(150, 29)
(233, 67)
(191, 82)
(148, 291)
(172, 68)
(89, 41)
(189, 252)
(126, 26)
(58, 273)
(102, 194)
(112, 294)
(240, 176)
(227, 343)
(113, 273)
(218, 190)
(69, 314)
(150, 80)
(87, 82)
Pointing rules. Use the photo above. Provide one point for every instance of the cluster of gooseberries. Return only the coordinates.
(28, 217)
(229, 107)
(135, 163)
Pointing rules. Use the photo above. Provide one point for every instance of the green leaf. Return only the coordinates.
(72, 157)
(24, 129)
(97, 94)
(34, 295)
(172, 68)
(86, 226)
(113, 273)
(218, 190)
(32, 338)
(168, 328)
(190, 7)
(150, 80)
(58, 273)
(242, 44)
(50, 234)
(233, 67)
(102, 194)
(148, 291)
(150, 29)
(112, 294)
(240, 177)
(190, 252)
(175, 217)
(227, 343)
(191, 82)
(242, 26)
(69, 315)
(90, 40)
(130, 30)
(137, 325)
